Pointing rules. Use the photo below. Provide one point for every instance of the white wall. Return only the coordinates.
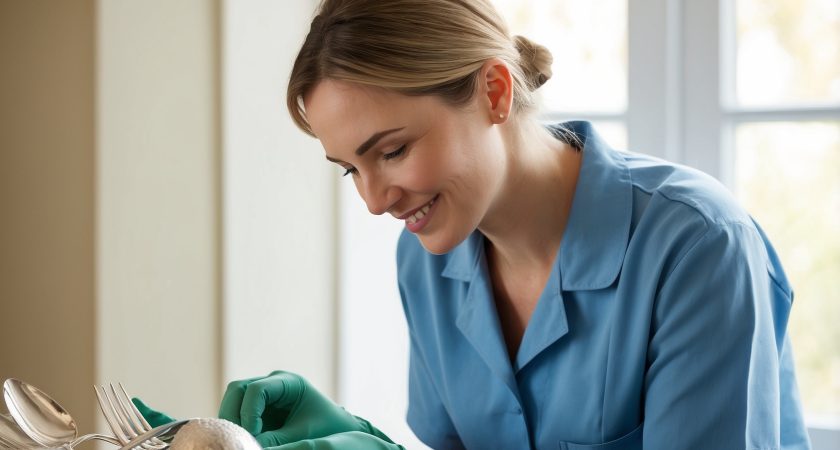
(374, 334)
(158, 209)
(279, 220)
(216, 223)
(215, 213)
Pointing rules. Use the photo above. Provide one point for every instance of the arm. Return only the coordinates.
(427, 416)
(713, 358)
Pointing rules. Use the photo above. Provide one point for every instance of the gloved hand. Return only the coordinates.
(154, 418)
(283, 407)
(342, 441)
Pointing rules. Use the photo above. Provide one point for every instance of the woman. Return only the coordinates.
(558, 293)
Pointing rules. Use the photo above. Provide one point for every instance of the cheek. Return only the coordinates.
(424, 173)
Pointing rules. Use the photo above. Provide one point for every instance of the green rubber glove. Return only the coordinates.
(342, 441)
(155, 418)
(283, 407)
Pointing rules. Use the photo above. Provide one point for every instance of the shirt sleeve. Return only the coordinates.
(713, 378)
(427, 416)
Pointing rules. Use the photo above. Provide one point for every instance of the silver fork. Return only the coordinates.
(164, 433)
(123, 417)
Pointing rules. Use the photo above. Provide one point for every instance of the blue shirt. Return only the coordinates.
(661, 326)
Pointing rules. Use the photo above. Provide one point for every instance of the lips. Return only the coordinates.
(416, 220)
(413, 212)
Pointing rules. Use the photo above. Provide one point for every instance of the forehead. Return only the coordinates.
(343, 115)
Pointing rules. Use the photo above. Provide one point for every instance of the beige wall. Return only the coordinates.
(112, 266)
(47, 160)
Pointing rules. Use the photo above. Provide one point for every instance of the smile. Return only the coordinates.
(418, 220)
(412, 219)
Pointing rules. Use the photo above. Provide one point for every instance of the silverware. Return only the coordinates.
(42, 418)
(122, 416)
(39, 422)
(11, 435)
(163, 434)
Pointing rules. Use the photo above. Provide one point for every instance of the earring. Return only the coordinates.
(501, 116)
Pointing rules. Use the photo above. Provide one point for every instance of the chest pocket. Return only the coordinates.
(630, 441)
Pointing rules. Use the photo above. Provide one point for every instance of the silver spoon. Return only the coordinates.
(42, 418)
(12, 437)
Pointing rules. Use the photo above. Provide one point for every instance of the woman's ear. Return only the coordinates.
(497, 89)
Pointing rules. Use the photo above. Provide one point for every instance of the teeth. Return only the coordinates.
(420, 213)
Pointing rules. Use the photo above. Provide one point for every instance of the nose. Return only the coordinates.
(379, 195)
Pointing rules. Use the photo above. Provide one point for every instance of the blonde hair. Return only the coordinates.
(414, 47)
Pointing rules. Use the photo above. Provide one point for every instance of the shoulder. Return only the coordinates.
(682, 189)
(678, 210)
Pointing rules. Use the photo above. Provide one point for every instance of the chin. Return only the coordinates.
(439, 245)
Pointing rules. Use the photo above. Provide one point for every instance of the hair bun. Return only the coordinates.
(535, 61)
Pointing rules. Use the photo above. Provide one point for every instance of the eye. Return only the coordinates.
(395, 153)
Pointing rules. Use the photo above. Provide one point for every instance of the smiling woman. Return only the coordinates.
(534, 257)
(539, 267)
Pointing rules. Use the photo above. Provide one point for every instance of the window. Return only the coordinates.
(788, 175)
(781, 97)
(590, 63)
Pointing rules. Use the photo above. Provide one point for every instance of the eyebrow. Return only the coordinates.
(369, 143)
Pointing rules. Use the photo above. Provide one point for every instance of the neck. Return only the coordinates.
(525, 223)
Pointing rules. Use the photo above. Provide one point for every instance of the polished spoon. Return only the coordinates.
(12, 437)
(42, 418)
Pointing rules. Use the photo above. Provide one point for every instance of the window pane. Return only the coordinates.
(788, 176)
(788, 52)
(588, 39)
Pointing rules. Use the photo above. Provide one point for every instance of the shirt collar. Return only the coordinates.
(598, 230)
